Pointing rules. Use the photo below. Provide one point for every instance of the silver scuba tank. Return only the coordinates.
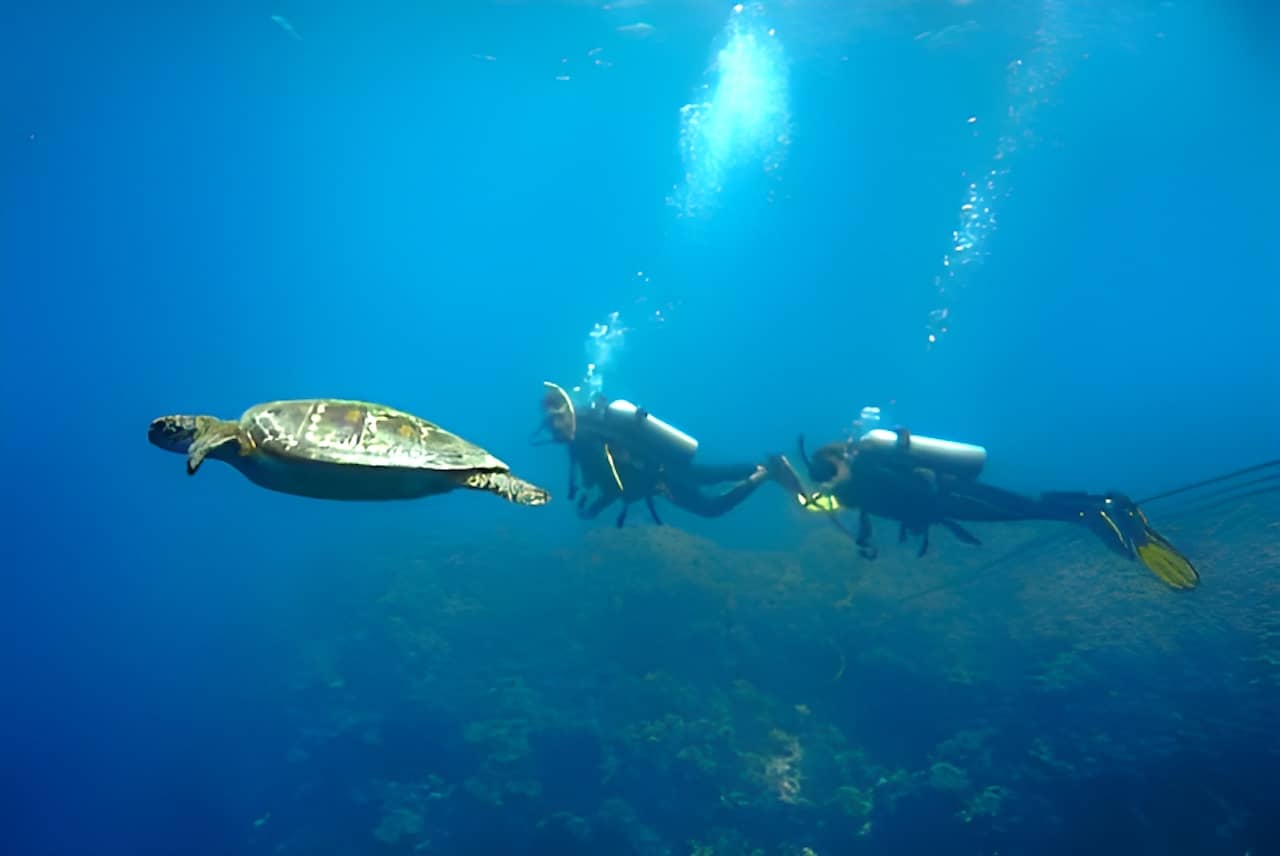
(646, 432)
(959, 459)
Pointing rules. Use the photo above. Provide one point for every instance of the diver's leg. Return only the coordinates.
(974, 501)
(687, 496)
(704, 474)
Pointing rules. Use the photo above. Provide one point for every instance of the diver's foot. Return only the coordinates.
(1124, 528)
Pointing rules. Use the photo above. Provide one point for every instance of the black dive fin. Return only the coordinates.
(865, 548)
(653, 511)
(781, 471)
(961, 533)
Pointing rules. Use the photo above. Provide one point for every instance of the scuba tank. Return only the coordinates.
(637, 428)
(963, 460)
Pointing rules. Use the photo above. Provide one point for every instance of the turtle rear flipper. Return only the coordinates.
(508, 487)
(211, 435)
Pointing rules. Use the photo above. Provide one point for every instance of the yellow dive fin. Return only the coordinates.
(1153, 550)
(1169, 565)
(1163, 558)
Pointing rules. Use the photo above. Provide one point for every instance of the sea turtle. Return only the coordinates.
(336, 449)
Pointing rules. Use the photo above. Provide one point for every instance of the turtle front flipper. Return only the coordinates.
(211, 434)
(508, 487)
(193, 436)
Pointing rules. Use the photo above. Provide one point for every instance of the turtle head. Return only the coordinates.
(175, 433)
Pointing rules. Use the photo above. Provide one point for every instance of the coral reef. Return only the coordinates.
(646, 691)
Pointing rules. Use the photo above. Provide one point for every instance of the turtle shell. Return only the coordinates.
(359, 434)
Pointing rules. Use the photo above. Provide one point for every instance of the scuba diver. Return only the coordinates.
(624, 453)
(922, 481)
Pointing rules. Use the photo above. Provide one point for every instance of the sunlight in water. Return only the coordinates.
(1030, 81)
(745, 119)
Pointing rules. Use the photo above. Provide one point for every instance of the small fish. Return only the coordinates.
(286, 26)
(485, 57)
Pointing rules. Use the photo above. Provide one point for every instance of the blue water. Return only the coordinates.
(204, 208)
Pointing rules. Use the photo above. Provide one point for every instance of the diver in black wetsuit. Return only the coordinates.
(922, 481)
(623, 453)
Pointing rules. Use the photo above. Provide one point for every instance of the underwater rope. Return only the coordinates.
(1044, 541)
(1214, 480)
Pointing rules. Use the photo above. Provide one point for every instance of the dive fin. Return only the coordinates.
(1123, 527)
(1162, 558)
(961, 533)
(1173, 568)
(865, 548)
(781, 471)
(653, 511)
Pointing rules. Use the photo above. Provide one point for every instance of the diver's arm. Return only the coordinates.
(573, 468)
(841, 478)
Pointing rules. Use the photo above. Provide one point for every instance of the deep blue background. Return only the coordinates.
(201, 212)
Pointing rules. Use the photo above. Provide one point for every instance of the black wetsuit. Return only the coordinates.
(918, 497)
(618, 472)
(890, 484)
